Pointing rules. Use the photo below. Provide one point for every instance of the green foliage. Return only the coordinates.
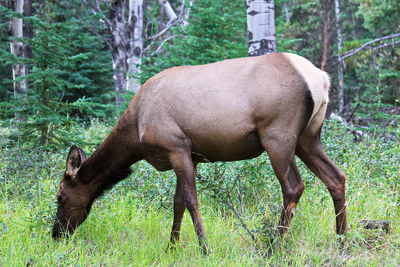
(131, 223)
(65, 72)
(216, 31)
(372, 76)
(70, 75)
(380, 16)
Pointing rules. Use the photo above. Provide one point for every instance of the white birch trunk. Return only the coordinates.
(260, 27)
(17, 49)
(135, 28)
(119, 48)
(340, 60)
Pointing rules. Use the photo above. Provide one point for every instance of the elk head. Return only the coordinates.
(74, 196)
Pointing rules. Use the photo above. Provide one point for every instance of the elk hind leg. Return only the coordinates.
(311, 152)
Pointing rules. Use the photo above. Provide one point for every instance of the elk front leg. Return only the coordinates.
(292, 189)
(186, 182)
(179, 210)
(280, 149)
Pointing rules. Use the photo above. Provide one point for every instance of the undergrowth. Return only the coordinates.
(130, 225)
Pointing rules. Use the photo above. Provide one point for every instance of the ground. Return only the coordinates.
(130, 225)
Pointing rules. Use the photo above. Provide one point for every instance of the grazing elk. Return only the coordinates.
(230, 110)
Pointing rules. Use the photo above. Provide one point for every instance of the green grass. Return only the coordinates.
(130, 225)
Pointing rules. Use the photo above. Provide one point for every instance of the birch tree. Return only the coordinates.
(126, 45)
(17, 49)
(135, 22)
(260, 27)
(124, 25)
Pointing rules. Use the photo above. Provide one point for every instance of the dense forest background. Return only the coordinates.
(73, 53)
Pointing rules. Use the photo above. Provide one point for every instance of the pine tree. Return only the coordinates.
(71, 78)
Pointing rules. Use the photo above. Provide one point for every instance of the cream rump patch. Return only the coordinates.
(318, 83)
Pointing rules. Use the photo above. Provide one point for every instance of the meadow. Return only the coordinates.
(130, 225)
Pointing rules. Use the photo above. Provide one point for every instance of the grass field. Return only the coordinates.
(130, 225)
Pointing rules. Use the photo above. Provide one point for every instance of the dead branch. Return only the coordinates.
(162, 44)
(385, 45)
(170, 23)
(366, 45)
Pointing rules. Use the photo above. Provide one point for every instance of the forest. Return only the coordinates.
(68, 70)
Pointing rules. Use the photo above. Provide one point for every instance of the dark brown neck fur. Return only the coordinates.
(111, 161)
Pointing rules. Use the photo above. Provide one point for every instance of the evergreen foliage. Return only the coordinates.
(216, 31)
(70, 75)
(69, 79)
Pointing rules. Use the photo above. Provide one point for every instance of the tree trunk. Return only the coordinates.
(28, 35)
(119, 48)
(340, 60)
(126, 46)
(28, 30)
(260, 27)
(326, 32)
(135, 28)
(17, 50)
(287, 14)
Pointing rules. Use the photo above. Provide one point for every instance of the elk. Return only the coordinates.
(225, 111)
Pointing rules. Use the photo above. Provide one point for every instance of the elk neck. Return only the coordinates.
(111, 161)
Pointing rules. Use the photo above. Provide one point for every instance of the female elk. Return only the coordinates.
(230, 110)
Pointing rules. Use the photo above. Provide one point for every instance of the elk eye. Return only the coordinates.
(59, 199)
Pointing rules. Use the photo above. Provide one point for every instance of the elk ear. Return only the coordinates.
(75, 158)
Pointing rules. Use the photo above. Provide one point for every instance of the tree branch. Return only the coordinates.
(170, 23)
(387, 44)
(162, 44)
(171, 13)
(99, 11)
(366, 45)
